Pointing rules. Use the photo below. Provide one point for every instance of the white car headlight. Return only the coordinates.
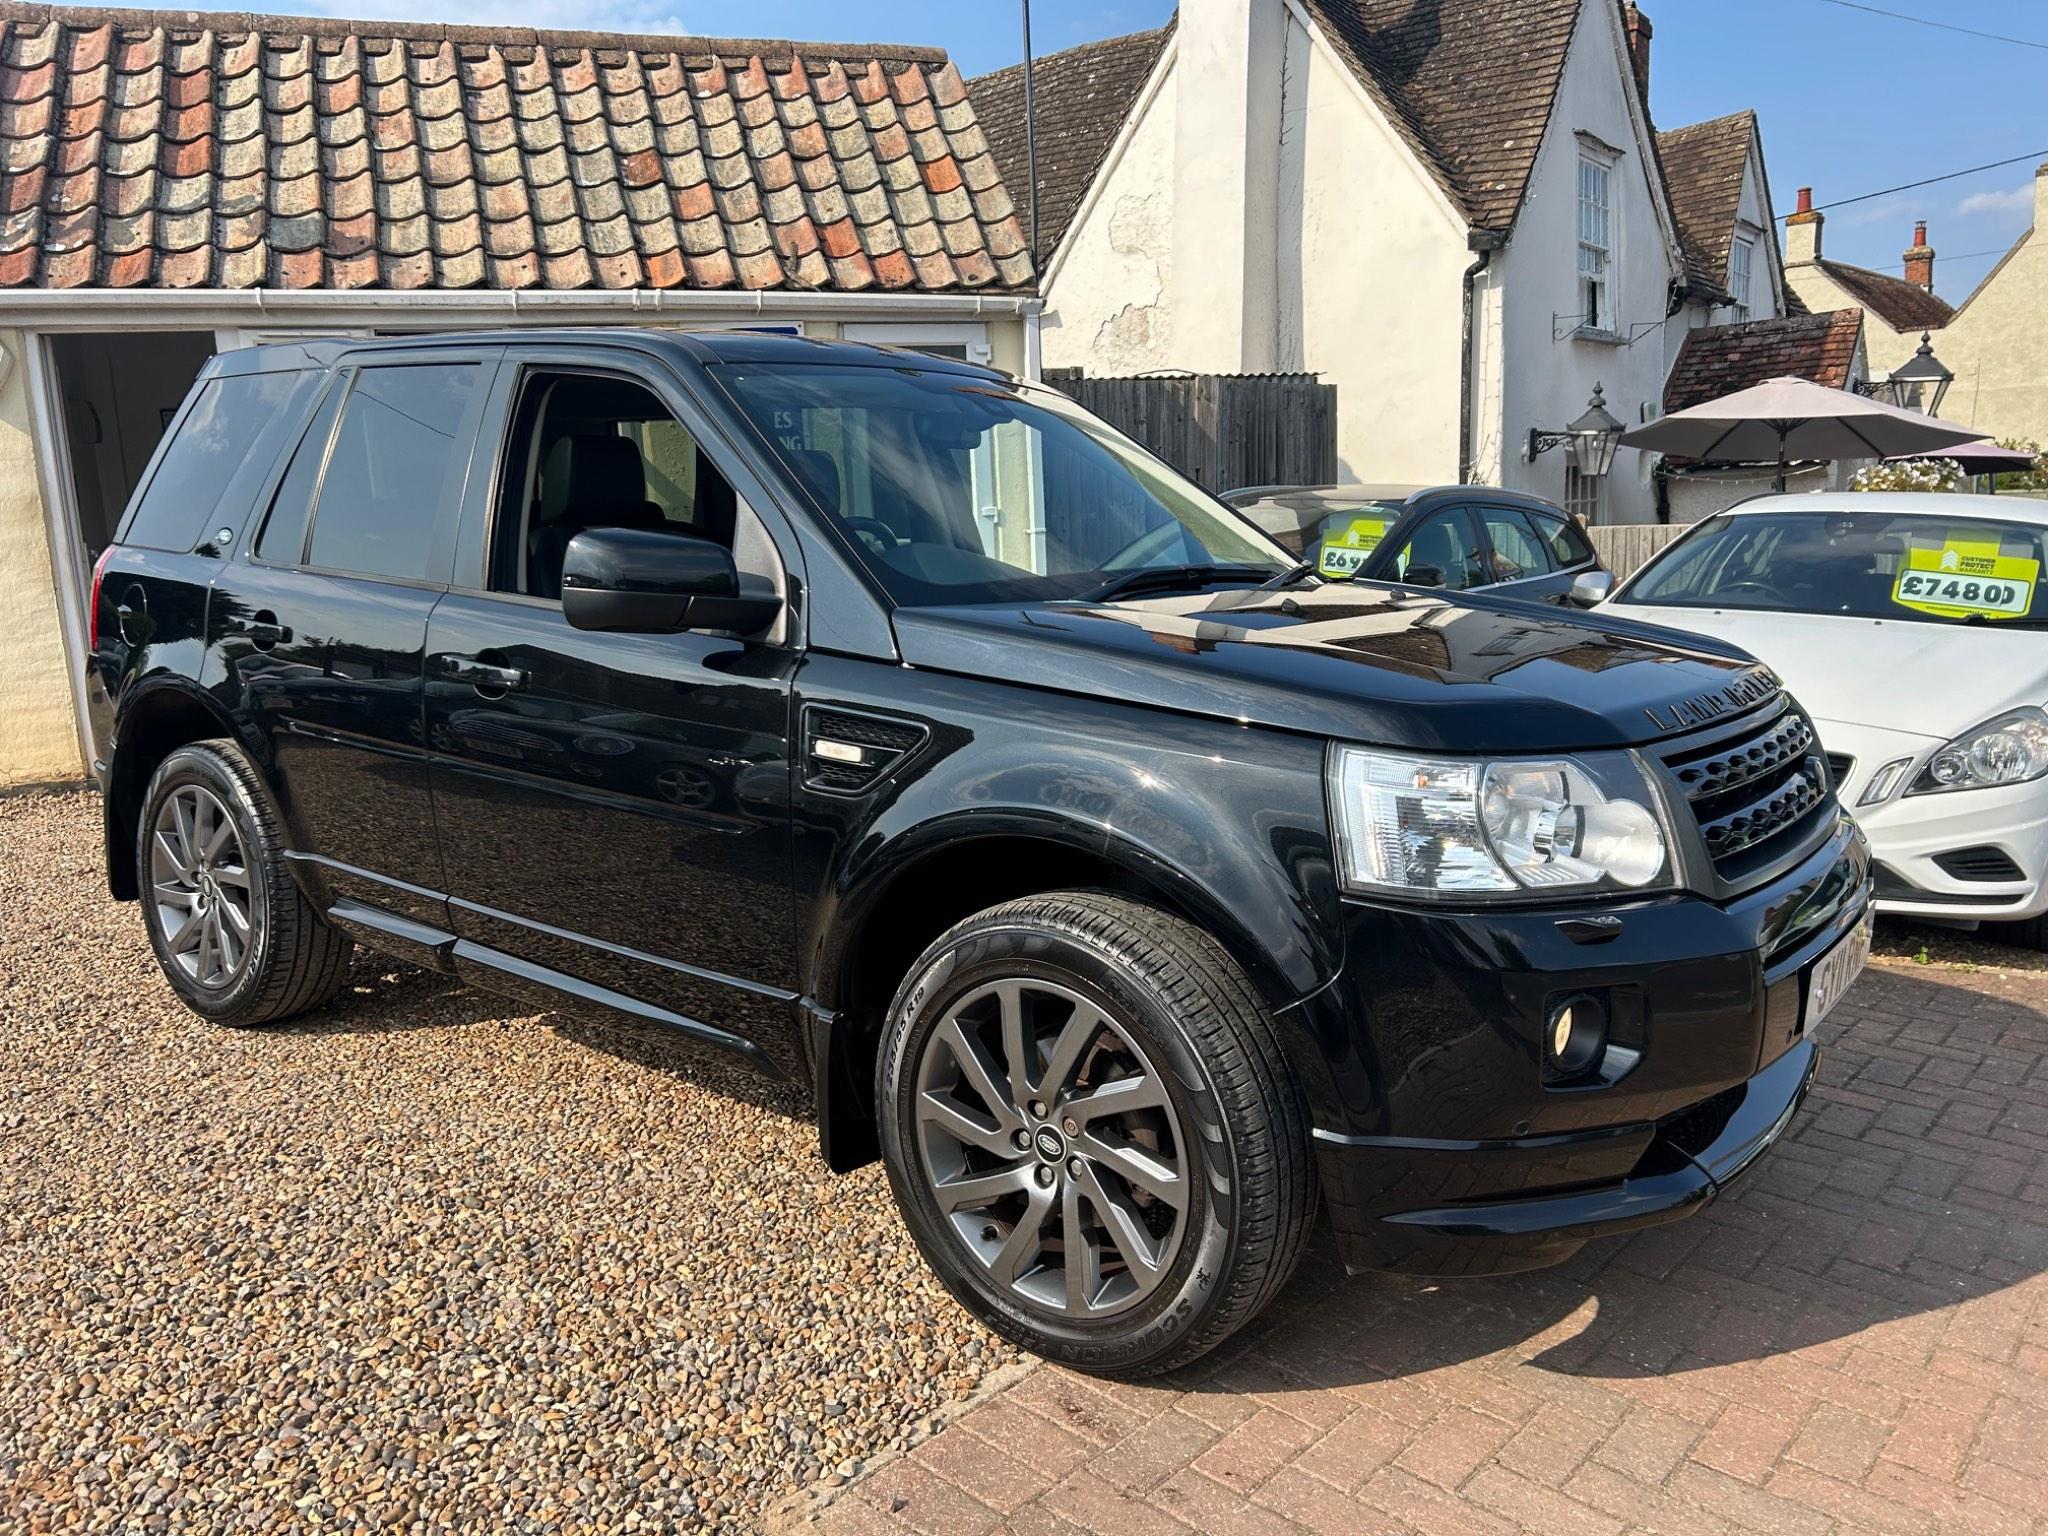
(2009, 750)
(1446, 827)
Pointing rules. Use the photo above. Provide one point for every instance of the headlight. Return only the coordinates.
(1421, 826)
(2009, 750)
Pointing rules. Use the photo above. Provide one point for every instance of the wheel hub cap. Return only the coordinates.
(1047, 1138)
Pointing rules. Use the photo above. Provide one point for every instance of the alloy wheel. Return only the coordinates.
(199, 886)
(1047, 1138)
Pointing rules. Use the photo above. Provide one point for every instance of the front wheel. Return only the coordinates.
(1092, 1132)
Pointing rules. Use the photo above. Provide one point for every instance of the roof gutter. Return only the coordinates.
(1485, 242)
(22, 306)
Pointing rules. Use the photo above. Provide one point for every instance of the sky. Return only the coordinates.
(1851, 102)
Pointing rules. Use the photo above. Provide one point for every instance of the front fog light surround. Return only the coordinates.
(2012, 749)
(1445, 828)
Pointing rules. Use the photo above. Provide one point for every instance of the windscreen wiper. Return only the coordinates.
(1288, 577)
(1167, 577)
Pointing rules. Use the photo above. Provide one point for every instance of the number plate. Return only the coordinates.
(1836, 971)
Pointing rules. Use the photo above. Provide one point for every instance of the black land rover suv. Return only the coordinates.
(898, 728)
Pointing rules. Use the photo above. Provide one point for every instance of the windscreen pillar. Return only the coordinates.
(1229, 62)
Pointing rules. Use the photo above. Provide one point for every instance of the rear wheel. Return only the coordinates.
(234, 936)
(1092, 1133)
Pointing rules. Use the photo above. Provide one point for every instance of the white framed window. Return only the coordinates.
(1596, 244)
(1584, 495)
(1740, 257)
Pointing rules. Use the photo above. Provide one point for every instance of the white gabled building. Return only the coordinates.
(1456, 214)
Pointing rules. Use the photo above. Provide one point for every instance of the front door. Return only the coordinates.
(614, 808)
(322, 626)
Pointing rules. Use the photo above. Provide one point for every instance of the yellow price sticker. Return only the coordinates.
(1965, 579)
(1344, 553)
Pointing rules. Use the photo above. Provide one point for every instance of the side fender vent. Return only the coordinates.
(849, 754)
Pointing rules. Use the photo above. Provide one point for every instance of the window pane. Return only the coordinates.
(394, 458)
(1445, 543)
(231, 421)
(1567, 544)
(284, 532)
(1516, 550)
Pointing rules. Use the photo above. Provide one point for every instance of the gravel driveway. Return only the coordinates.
(413, 1263)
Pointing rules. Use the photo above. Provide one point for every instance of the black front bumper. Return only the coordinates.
(1441, 1146)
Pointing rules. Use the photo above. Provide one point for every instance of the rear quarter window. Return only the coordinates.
(1567, 543)
(232, 421)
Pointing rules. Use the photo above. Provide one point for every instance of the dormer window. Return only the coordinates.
(1596, 243)
(1740, 256)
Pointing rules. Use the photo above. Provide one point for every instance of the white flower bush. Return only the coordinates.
(1910, 475)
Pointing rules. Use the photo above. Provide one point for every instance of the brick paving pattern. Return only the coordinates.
(1855, 1340)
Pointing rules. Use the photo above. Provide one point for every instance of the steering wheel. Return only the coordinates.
(871, 531)
(1761, 588)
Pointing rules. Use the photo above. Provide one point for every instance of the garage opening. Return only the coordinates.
(119, 391)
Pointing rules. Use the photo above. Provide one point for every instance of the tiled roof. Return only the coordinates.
(1082, 97)
(1469, 85)
(1717, 360)
(1703, 166)
(1899, 304)
(189, 150)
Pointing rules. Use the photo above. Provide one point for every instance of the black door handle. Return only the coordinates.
(262, 629)
(484, 676)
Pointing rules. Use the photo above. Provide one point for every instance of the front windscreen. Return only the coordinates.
(1873, 565)
(956, 488)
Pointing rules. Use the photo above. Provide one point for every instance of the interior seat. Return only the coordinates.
(589, 480)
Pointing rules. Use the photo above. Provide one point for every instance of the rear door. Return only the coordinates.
(614, 808)
(1572, 551)
(321, 627)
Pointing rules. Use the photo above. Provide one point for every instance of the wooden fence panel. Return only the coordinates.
(1222, 430)
(1626, 547)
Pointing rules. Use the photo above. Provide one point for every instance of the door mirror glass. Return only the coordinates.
(655, 582)
(1424, 576)
(1590, 588)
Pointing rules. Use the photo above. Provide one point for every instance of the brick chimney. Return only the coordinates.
(1639, 31)
(1920, 259)
(1802, 231)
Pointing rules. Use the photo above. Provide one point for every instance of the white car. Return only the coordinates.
(1914, 629)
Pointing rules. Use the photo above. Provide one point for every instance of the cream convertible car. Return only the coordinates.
(1914, 628)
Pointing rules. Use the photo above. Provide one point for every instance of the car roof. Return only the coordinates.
(2025, 509)
(703, 347)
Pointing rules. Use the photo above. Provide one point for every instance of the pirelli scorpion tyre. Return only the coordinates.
(1092, 1133)
(236, 939)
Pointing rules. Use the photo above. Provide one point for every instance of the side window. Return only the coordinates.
(1517, 552)
(398, 453)
(1445, 542)
(283, 538)
(594, 451)
(1567, 543)
(233, 419)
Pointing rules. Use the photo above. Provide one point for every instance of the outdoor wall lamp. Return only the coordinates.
(1919, 383)
(1590, 441)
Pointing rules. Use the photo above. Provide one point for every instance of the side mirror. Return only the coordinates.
(1423, 576)
(648, 581)
(1590, 588)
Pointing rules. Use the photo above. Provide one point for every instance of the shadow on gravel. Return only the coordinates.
(1899, 1194)
(663, 1051)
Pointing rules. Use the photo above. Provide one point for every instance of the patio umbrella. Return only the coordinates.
(1789, 418)
(1981, 456)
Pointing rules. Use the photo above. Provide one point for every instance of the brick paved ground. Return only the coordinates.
(1855, 1341)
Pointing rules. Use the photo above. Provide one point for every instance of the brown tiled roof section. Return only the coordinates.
(1082, 97)
(191, 150)
(1902, 305)
(1469, 85)
(1717, 360)
(1703, 166)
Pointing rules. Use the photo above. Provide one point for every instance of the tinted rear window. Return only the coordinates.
(397, 454)
(229, 423)
(284, 531)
